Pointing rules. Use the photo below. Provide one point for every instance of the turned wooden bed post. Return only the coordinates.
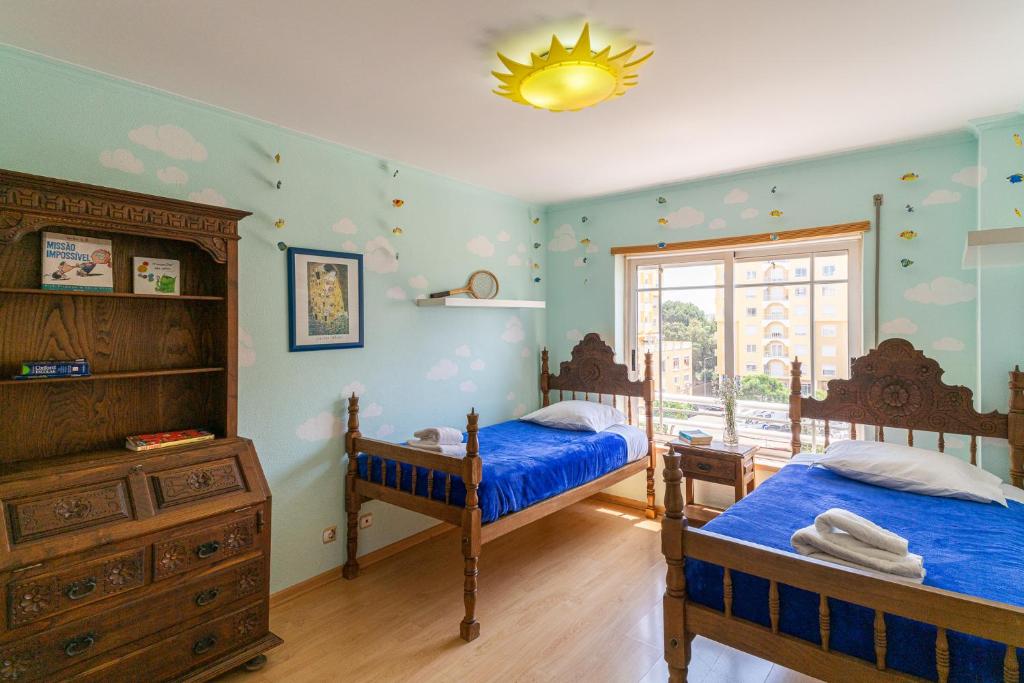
(352, 499)
(652, 452)
(1015, 425)
(544, 386)
(794, 407)
(472, 471)
(673, 527)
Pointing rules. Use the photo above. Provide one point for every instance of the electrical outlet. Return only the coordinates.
(366, 520)
(330, 534)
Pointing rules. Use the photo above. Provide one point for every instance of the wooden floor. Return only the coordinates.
(572, 597)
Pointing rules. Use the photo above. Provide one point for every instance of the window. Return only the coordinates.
(745, 313)
(828, 270)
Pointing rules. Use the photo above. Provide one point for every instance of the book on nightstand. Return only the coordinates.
(694, 437)
(74, 263)
(149, 442)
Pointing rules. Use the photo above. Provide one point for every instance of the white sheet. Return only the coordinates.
(636, 440)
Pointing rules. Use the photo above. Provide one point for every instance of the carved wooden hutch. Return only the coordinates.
(118, 565)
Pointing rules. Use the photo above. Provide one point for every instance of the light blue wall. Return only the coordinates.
(57, 121)
(932, 302)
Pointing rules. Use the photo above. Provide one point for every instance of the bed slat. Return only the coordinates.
(773, 604)
(398, 476)
(415, 472)
(824, 621)
(727, 591)
(910, 437)
(974, 449)
(448, 489)
(880, 640)
(853, 431)
(1011, 669)
(942, 655)
(880, 434)
(430, 484)
(942, 442)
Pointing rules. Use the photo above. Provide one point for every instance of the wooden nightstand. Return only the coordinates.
(719, 464)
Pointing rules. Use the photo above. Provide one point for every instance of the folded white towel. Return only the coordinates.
(453, 449)
(842, 548)
(864, 530)
(440, 435)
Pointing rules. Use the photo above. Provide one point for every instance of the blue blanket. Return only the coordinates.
(971, 548)
(523, 464)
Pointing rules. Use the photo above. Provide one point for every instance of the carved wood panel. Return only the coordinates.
(69, 510)
(203, 548)
(895, 385)
(593, 369)
(196, 482)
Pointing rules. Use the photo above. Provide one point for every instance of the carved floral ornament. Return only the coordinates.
(71, 508)
(895, 396)
(14, 665)
(199, 480)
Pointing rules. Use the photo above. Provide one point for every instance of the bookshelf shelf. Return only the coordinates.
(99, 376)
(110, 295)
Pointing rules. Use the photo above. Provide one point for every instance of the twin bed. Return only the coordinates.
(737, 580)
(514, 472)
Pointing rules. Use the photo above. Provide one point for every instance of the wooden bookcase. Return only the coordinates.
(70, 493)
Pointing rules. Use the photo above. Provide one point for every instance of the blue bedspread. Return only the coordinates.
(971, 548)
(523, 464)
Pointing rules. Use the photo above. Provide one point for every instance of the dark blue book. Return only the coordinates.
(54, 368)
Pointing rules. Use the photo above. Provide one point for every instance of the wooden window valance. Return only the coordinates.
(761, 238)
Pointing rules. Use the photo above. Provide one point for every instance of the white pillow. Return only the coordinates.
(917, 470)
(577, 416)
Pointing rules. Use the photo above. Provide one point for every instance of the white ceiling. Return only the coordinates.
(732, 84)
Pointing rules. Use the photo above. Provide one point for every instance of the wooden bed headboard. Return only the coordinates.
(593, 370)
(896, 385)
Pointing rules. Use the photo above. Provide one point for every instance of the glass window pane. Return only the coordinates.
(831, 266)
(693, 275)
(793, 268)
(831, 343)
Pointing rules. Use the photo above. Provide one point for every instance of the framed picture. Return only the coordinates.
(325, 300)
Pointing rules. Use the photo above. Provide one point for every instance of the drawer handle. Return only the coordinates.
(80, 589)
(207, 549)
(204, 645)
(206, 597)
(77, 646)
(703, 467)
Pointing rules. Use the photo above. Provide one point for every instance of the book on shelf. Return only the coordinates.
(81, 264)
(156, 276)
(695, 437)
(149, 442)
(32, 369)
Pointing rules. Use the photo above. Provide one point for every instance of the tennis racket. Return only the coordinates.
(482, 284)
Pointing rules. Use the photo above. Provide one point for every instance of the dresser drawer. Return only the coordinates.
(39, 597)
(185, 651)
(708, 466)
(38, 657)
(48, 514)
(196, 482)
(211, 544)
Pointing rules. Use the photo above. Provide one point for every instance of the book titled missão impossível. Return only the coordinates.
(149, 442)
(71, 262)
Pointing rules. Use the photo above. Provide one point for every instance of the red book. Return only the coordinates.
(148, 442)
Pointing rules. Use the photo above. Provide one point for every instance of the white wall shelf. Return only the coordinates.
(466, 302)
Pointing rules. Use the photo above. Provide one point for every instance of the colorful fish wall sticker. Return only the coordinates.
(662, 221)
(908, 235)
(585, 241)
(906, 263)
(775, 188)
(661, 245)
(910, 209)
(775, 213)
(536, 280)
(909, 177)
(536, 220)
(279, 223)
(277, 158)
(278, 184)
(536, 245)
(1015, 178)
(281, 246)
(583, 219)
(1017, 140)
(398, 203)
(662, 200)
(396, 231)
(1018, 213)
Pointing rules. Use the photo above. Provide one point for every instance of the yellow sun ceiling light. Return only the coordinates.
(569, 80)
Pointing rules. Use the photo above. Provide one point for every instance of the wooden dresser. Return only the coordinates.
(117, 565)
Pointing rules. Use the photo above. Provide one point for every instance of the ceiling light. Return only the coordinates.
(563, 79)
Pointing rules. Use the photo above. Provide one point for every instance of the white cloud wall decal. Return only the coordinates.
(747, 214)
(463, 351)
(354, 387)
(941, 197)
(122, 160)
(564, 239)
(685, 217)
(899, 326)
(942, 291)
(513, 331)
(372, 410)
(246, 349)
(442, 370)
(574, 336)
(418, 282)
(319, 427)
(469, 386)
(208, 195)
(971, 176)
(481, 246)
(736, 196)
(174, 141)
(477, 364)
(345, 226)
(514, 260)
(717, 224)
(385, 430)
(948, 344)
(172, 175)
(503, 236)
(395, 293)
(379, 256)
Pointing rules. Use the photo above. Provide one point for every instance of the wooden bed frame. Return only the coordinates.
(592, 374)
(896, 386)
